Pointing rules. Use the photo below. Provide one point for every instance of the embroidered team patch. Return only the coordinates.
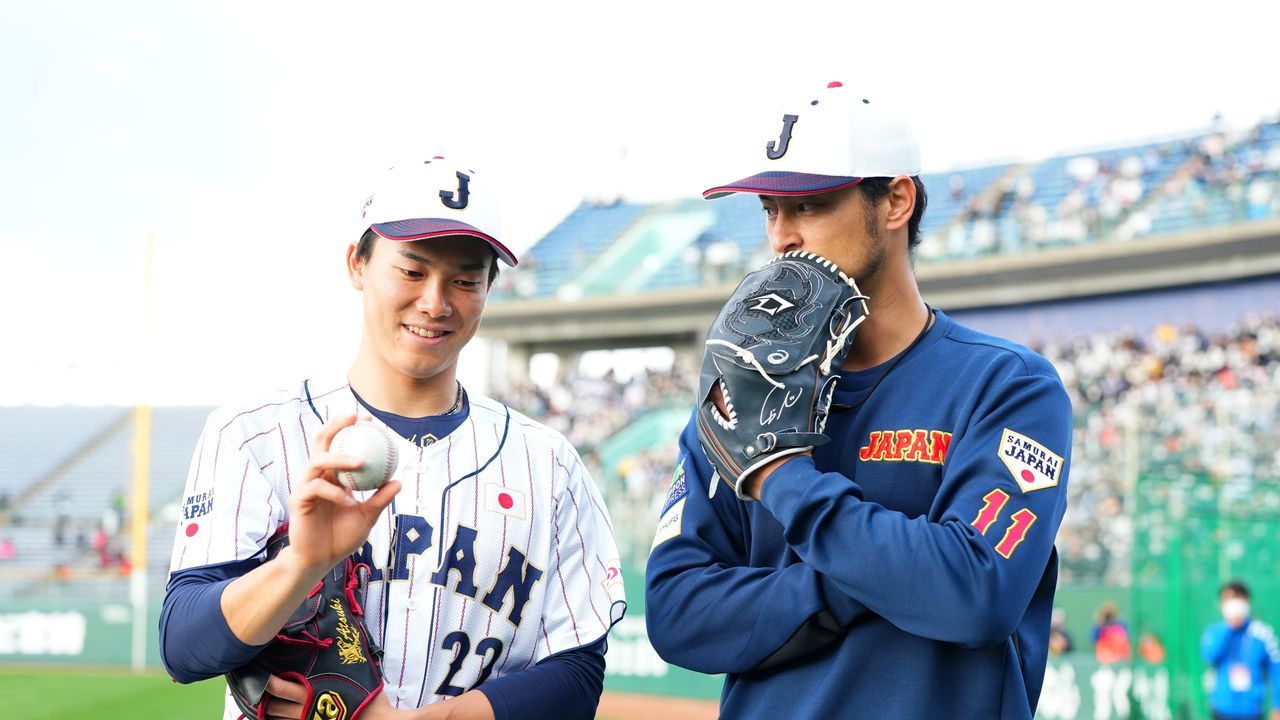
(194, 508)
(197, 505)
(1030, 463)
(505, 501)
(669, 524)
(671, 518)
(678, 488)
(612, 577)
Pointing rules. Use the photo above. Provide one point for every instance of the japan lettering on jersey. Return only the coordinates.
(497, 552)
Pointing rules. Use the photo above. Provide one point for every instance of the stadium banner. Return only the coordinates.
(1081, 687)
(73, 633)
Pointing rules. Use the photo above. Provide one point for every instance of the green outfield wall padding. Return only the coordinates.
(73, 633)
(51, 634)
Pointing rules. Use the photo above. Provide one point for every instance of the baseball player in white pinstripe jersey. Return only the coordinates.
(495, 571)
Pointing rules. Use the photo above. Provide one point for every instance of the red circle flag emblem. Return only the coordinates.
(505, 501)
(1031, 464)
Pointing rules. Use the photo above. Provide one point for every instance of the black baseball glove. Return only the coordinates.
(324, 645)
(775, 351)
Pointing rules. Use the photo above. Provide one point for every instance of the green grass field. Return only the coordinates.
(75, 694)
(64, 694)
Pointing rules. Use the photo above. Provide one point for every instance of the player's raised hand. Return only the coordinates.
(326, 521)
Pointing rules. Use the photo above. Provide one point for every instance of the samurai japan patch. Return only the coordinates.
(1030, 463)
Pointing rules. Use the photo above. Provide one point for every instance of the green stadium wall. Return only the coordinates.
(1076, 685)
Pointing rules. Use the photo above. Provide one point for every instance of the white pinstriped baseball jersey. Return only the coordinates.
(497, 552)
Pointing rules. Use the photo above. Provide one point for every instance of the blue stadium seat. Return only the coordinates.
(576, 240)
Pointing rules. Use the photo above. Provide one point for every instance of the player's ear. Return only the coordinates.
(355, 266)
(902, 202)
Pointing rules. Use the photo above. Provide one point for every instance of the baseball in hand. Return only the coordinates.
(373, 446)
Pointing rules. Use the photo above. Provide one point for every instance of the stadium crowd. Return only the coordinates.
(1209, 178)
(1144, 403)
(588, 409)
(1172, 400)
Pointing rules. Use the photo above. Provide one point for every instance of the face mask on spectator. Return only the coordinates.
(1235, 609)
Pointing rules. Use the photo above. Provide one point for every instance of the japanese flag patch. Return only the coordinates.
(1030, 463)
(505, 501)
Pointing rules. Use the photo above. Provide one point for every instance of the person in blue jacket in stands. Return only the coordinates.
(906, 569)
(1245, 658)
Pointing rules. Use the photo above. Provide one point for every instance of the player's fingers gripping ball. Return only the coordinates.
(775, 352)
(373, 446)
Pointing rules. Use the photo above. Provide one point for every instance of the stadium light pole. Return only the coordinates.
(141, 470)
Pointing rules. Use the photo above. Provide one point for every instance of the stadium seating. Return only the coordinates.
(1109, 194)
(38, 439)
(1241, 183)
(573, 242)
(70, 487)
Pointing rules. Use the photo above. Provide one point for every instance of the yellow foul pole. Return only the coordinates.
(141, 473)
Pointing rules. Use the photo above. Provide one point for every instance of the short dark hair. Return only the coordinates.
(874, 188)
(1237, 587)
(364, 251)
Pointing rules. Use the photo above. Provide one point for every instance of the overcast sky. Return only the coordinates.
(243, 135)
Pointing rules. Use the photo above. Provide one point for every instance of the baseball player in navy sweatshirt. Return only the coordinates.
(906, 568)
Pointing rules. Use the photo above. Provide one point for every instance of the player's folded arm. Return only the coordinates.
(966, 572)
(706, 609)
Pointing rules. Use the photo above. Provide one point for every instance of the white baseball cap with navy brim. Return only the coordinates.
(827, 140)
(436, 197)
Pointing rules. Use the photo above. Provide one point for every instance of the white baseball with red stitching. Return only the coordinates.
(371, 445)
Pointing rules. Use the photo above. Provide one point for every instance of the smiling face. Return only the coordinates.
(423, 301)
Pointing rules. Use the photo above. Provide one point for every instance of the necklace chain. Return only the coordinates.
(457, 401)
(928, 319)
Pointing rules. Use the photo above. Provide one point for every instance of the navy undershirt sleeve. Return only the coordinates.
(195, 641)
(196, 644)
(565, 686)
